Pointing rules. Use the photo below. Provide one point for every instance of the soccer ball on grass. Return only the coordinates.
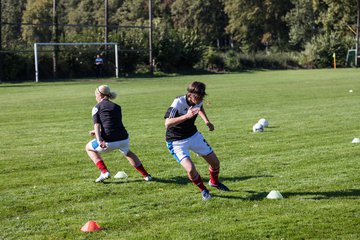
(264, 122)
(258, 127)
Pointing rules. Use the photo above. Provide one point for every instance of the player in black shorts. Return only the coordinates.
(110, 134)
(99, 62)
(182, 136)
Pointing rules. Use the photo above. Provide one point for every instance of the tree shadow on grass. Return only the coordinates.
(180, 180)
(123, 181)
(183, 180)
(347, 193)
(228, 197)
(255, 196)
(13, 85)
(258, 196)
(243, 178)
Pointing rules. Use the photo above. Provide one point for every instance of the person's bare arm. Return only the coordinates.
(204, 117)
(97, 134)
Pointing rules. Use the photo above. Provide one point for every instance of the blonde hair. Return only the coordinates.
(104, 90)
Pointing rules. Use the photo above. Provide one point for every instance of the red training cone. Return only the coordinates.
(91, 226)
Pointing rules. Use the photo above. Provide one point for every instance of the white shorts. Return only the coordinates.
(122, 145)
(196, 143)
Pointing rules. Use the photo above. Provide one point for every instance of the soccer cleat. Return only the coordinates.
(205, 195)
(148, 178)
(102, 177)
(219, 186)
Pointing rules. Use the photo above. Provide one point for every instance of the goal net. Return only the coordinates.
(38, 45)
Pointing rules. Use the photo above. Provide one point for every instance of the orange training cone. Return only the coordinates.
(91, 226)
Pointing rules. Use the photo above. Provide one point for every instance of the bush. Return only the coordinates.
(235, 61)
(17, 67)
(212, 60)
(276, 61)
(232, 60)
(177, 49)
(319, 52)
(136, 49)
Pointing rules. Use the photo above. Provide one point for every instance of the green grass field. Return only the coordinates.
(47, 181)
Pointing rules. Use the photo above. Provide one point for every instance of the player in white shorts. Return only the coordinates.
(110, 134)
(182, 136)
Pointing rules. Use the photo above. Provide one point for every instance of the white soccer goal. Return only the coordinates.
(61, 44)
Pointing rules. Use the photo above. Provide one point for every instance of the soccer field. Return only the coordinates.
(47, 180)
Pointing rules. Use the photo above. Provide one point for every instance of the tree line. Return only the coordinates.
(211, 35)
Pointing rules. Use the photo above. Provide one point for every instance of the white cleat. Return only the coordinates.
(205, 195)
(102, 177)
(148, 178)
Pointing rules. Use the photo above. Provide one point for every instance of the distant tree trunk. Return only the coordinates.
(106, 33)
(55, 39)
(0, 42)
(151, 61)
(357, 33)
(106, 21)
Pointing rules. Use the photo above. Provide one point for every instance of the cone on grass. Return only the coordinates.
(121, 174)
(91, 226)
(274, 195)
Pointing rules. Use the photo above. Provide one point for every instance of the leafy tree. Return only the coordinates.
(321, 28)
(309, 19)
(137, 11)
(336, 15)
(257, 24)
(11, 13)
(131, 11)
(37, 12)
(88, 12)
(206, 17)
(301, 20)
(178, 49)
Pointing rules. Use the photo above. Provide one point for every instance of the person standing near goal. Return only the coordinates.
(99, 62)
(182, 136)
(110, 134)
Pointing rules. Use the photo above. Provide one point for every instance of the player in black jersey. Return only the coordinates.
(182, 136)
(110, 134)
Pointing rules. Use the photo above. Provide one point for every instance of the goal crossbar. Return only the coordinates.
(74, 43)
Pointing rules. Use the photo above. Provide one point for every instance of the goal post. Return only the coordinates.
(77, 43)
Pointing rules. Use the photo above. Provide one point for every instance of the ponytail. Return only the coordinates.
(104, 90)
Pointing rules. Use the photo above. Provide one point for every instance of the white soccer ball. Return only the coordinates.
(258, 127)
(264, 122)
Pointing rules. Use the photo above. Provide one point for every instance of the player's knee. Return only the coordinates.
(88, 147)
(192, 172)
(130, 154)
